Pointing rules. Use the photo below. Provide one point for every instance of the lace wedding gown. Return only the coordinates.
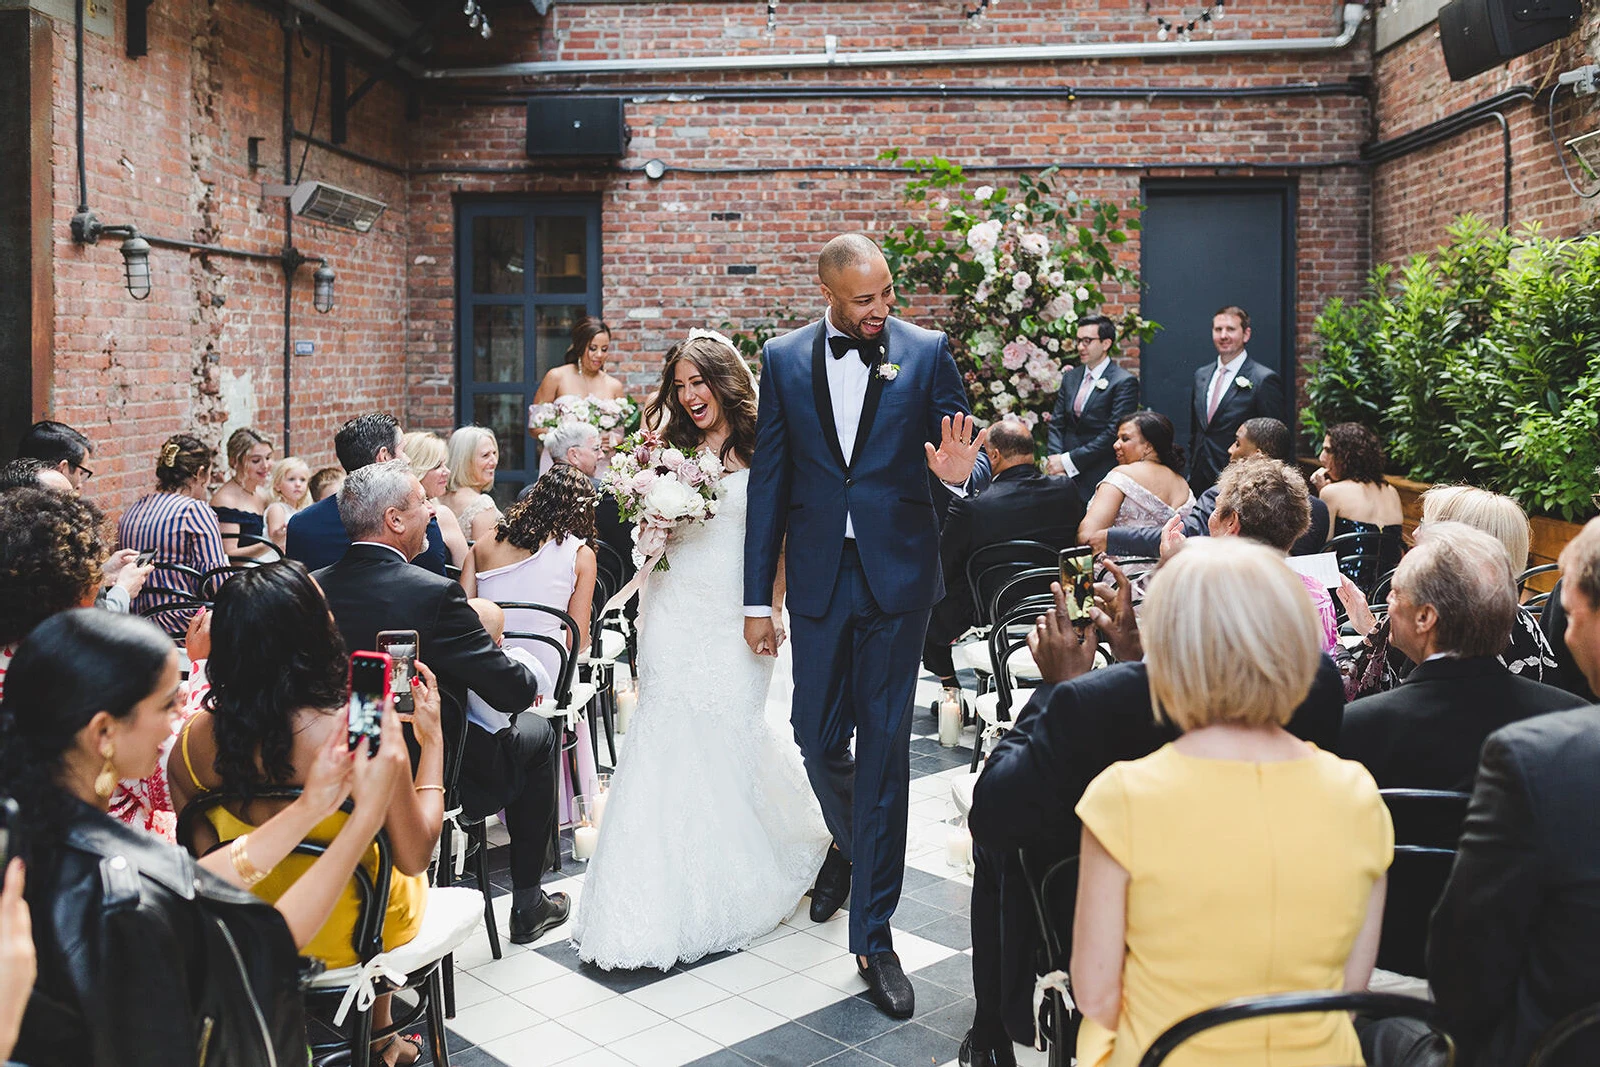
(711, 833)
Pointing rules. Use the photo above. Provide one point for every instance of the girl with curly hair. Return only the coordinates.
(52, 547)
(1359, 501)
(540, 554)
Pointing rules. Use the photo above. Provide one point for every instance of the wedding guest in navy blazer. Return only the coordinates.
(1095, 397)
(1227, 391)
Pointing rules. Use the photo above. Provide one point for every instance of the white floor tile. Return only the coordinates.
(561, 996)
(841, 974)
(610, 1020)
(668, 1045)
(474, 951)
(918, 952)
(596, 1057)
(538, 1046)
(795, 996)
(494, 1019)
(835, 932)
(772, 935)
(731, 1021)
(518, 972)
(470, 991)
(679, 995)
(740, 972)
(797, 952)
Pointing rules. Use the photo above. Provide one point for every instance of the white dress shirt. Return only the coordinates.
(479, 711)
(1227, 371)
(1090, 374)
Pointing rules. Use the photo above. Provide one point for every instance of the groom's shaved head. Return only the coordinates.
(845, 251)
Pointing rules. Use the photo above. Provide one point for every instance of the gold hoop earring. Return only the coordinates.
(105, 783)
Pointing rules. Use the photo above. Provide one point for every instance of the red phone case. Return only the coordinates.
(386, 662)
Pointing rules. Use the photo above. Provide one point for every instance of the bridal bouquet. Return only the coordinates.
(660, 488)
(604, 415)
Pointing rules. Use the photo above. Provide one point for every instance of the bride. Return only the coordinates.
(711, 833)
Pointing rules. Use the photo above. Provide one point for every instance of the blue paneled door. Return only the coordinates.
(526, 272)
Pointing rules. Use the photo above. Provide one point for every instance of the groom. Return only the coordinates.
(851, 410)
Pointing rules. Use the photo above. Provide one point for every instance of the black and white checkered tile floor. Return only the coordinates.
(792, 999)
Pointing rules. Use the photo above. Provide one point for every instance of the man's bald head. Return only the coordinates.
(844, 252)
(857, 285)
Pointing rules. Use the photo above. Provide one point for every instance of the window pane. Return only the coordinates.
(497, 255)
(559, 242)
(554, 337)
(507, 415)
(497, 342)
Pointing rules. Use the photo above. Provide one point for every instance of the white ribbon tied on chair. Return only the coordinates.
(1058, 981)
(458, 842)
(362, 991)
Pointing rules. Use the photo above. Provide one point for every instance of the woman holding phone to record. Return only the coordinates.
(279, 678)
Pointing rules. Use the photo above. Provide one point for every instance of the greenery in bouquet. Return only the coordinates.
(1019, 270)
(659, 488)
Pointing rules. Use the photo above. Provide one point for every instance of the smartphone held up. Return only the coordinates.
(370, 693)
(401, 648)
(1077, 582)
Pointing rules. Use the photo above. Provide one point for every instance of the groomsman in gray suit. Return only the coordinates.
(1095, 396)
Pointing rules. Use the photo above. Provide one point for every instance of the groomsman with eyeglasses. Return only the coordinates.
(1095, 396)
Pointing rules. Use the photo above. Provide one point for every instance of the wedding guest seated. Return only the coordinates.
(1238, 860)
(1263, 436)
(473, 456)
(578, 444)
(1350, 481)
(125, 925)
(173, 523)
(540, 554)
(1146, 488)
(1021, 502)
(241, 501)
(278, 698)
(427, 454)
(1078, 723)
(325, 482)
(1377, 665)
(59, 447)
(371, 589)
(317, 536)
(289, 490)
(1512, 944)
(1451, 606)
(30, 473)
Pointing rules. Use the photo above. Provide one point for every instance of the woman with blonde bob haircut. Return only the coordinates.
(473, 456)
(1237, 860)
(429, 458)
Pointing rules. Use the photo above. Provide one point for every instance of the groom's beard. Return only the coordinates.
(854, 327)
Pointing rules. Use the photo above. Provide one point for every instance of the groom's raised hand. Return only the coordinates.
(958, 449)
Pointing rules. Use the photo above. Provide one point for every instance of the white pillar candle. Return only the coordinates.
(597, 809)
(958, 847)
(627, 700)
(949, 723)
(584, 838)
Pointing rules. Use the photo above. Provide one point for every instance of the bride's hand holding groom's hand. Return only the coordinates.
(958, 449)
(761, 633)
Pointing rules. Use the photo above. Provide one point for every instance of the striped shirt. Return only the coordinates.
(180, 530)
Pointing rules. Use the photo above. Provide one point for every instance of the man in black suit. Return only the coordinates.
(1260, 436)
(1066, 735)
(1019, 503)
(317, 537)
(512, 767)
(1095, 396)
(1227, 391)
(1451, 607)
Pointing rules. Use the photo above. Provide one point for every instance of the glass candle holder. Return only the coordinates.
(585, 832)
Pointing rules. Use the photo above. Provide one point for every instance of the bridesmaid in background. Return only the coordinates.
(583, 374)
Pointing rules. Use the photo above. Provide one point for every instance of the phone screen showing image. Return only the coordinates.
(1077, 582)
(401, 647)
(369, 688)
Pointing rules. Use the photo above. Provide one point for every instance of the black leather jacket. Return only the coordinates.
(133, 970)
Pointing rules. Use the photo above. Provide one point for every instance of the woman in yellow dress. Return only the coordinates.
(1238, 860)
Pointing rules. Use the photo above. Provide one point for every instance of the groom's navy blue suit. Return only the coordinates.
(859, 607)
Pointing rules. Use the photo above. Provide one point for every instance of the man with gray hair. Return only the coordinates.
(1451, 606)
(374, 588)
(576, 444)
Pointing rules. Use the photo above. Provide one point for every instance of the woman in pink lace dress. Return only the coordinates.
(1146, 488)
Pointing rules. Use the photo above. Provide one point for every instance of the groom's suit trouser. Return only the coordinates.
(856, 670)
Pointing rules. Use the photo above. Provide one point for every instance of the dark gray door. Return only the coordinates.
(1205, 245)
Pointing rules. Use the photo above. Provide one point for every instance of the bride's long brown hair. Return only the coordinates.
(730, 382)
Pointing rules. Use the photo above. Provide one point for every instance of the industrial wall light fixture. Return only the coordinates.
(87, 230)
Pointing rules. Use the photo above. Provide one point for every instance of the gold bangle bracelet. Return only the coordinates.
(242, 866)
(425, 788)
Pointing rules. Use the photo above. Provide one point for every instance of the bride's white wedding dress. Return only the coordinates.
(711, 833)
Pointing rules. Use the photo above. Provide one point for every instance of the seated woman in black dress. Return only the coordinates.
(241, 501)
(1359, 501)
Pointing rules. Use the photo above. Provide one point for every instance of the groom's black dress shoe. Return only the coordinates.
(976, 1054)
(530, 924)
(888, 985)
(833, 885)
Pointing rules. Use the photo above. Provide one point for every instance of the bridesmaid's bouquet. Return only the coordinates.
(659, 488)
(607, 416)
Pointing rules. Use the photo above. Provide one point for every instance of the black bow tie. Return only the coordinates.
(869, 352)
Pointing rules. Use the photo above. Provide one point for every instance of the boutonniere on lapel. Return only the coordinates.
(888, 371)
(1101, 383)
(1243, 383)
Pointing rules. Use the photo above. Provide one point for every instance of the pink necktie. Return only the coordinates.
(1083, 393)
(1218, 387)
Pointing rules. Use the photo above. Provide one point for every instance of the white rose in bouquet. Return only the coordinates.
(671, 500)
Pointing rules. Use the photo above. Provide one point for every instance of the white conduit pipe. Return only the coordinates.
(1352, 16)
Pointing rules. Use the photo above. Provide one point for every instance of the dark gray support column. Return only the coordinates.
(27, 313)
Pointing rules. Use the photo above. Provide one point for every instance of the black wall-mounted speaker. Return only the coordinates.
(1477, 35)
(580, 126)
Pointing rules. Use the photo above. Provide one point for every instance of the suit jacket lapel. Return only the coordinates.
(869, 404)
(822, 395)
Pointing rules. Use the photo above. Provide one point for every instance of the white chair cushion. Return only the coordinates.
(988, 704)
(973, 656)
(1020, 664)
(449, 919)
(582, 693)
(961, 788)
(612, 644)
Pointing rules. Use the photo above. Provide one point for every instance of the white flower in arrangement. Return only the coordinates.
(1021, 280)
(710, 463)
(983, 237)
(943, 203)
(673, 500)
(1023, 385)
(997, 387)
(671, 458)
(984, 344)
(1014, 300)
(1059, 307)
(1029, 419)
(1082, 294)
(1052, 344)
(1004, 402)
(1035, 244)
(982, 193)
(1019, 215)
(1056, 279)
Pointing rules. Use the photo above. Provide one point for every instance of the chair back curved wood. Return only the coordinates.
(1555, 1047)
(1376, 1005)
(1023, 585)
(1370, 553)
(1052, 882)
(568, 623)
(1427, 823)
(1008, 634)
(1016, 555)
